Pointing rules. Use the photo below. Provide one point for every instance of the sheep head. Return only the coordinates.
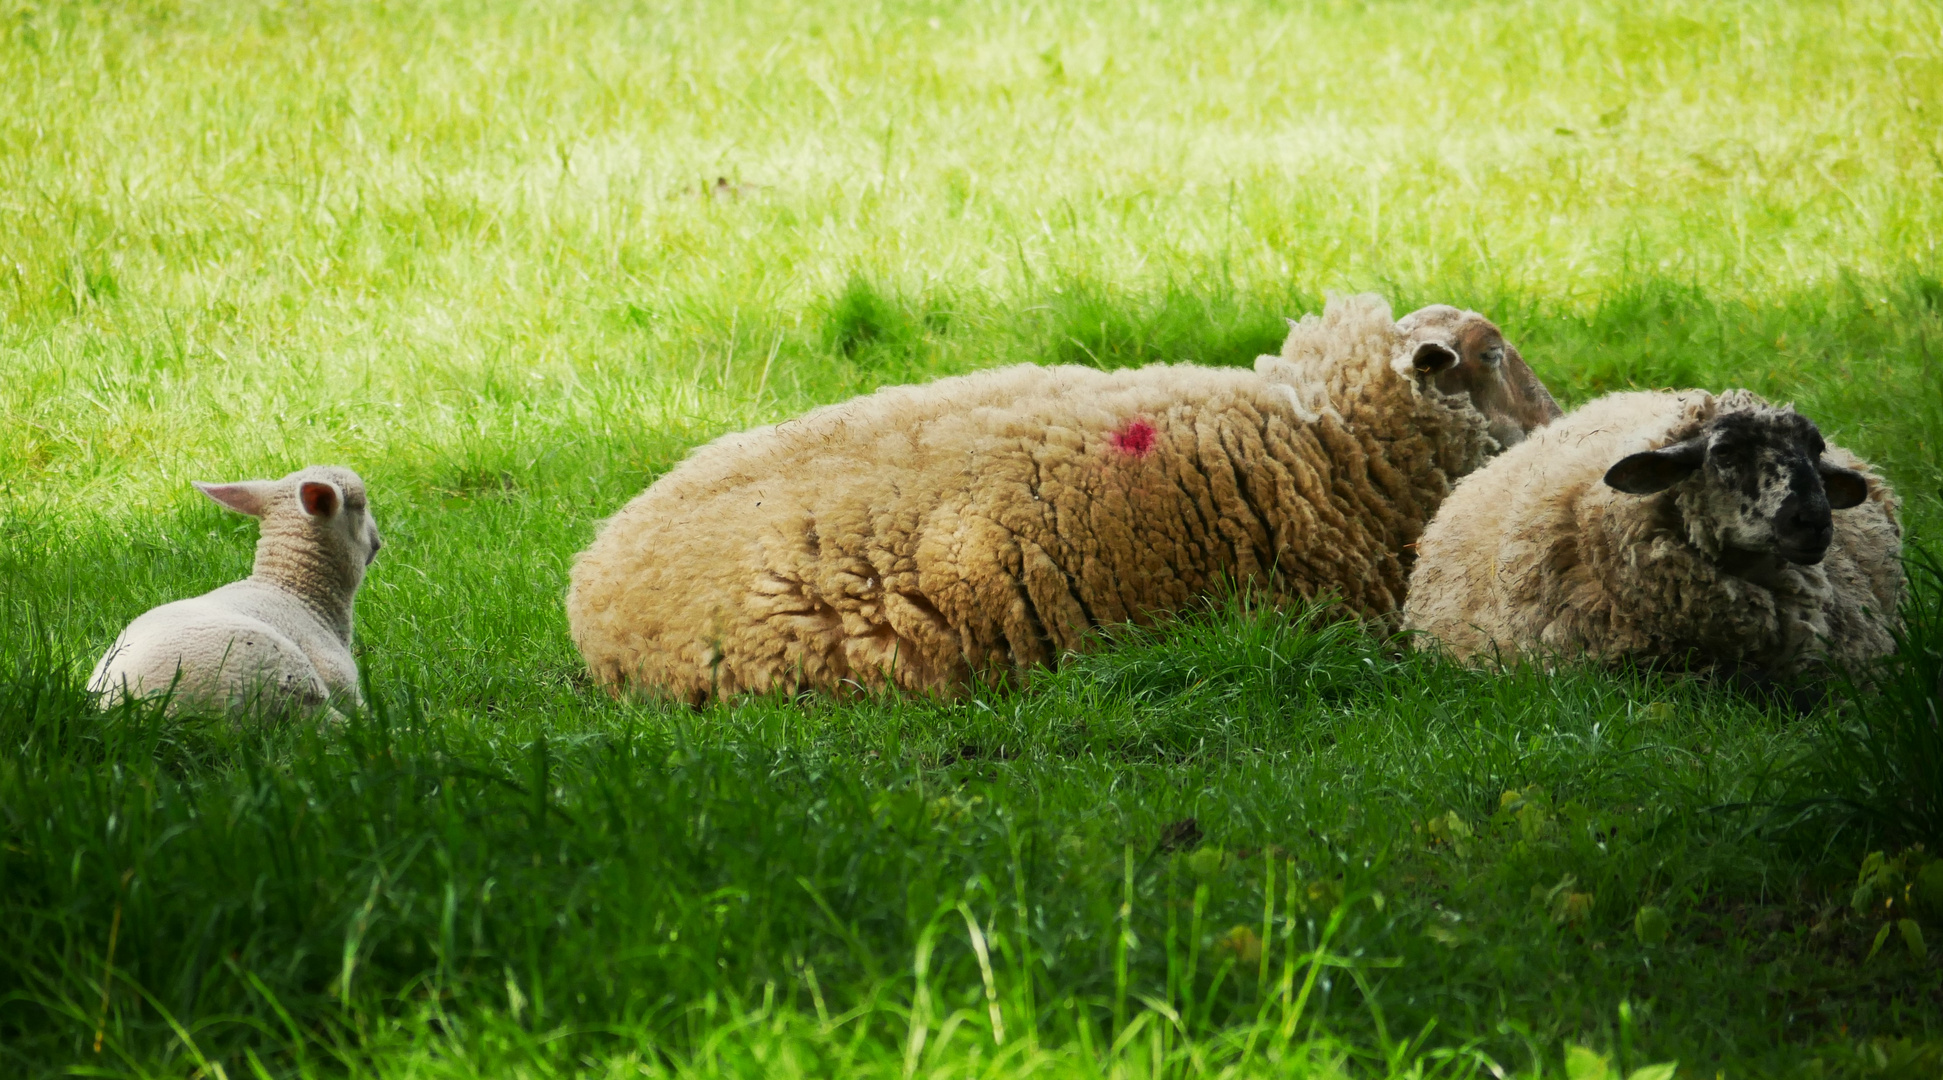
(323, 505)
(1462, 352)
(1752, 481)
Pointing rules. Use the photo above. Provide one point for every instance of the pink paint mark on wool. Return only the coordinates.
(1135, 440)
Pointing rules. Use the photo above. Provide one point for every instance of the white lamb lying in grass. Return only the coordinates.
(280, 637)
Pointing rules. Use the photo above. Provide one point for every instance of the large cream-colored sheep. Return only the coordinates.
(280, 637)
(1688, 528)
(983, 525)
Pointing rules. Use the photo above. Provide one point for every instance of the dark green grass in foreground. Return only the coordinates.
(608, 885)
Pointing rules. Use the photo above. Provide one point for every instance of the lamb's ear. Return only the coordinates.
(1657, 470)
(250, 497)
(1432, 357)
(1845, 487)
(320, 499)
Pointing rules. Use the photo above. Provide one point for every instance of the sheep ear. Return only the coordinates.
(1432, 357)
(1845, 487)
(250, 497)
(319, 498)
(1657, 470)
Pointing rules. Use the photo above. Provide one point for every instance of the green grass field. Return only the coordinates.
(479, 252)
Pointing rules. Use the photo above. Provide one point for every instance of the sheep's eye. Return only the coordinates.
(1494, 355)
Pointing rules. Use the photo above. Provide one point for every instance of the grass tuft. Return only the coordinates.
(864, 324)
(1877, 766)
(1103, 327)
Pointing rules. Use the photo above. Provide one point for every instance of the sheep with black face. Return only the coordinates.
(1700, 529)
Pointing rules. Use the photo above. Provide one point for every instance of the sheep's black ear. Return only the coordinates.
(1432, 357)
(1845, 487)
(1656, 470)
(245, 496)
(319, 498)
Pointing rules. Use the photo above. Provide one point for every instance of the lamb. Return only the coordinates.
(280, 638)
(981, 526)
(1675, 529)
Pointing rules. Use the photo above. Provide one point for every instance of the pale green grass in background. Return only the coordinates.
(240, 236)
(479, 252)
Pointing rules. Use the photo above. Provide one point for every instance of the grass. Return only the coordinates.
(479, 252)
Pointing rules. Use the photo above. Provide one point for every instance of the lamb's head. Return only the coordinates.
(1753, 482)
(323, 507)
(1462, 352)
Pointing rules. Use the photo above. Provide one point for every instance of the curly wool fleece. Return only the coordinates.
(983, 525)
(1538, 554)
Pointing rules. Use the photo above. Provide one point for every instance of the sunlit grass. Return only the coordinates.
(240, 235)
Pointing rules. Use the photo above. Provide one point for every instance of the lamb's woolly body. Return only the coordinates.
(1535, 553)
(281, 636)
(984, 524)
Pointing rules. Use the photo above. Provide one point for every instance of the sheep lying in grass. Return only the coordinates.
(982, 525)
(280, 637)
(1663, 527)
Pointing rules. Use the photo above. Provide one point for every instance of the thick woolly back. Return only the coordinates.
(1519, 534)
(1354, 362)
(988, 523)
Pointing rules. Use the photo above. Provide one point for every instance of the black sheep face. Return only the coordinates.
(1755, 480)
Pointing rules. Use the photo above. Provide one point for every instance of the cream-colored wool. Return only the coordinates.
(280, 637)
(1537, 554)
(984, 524)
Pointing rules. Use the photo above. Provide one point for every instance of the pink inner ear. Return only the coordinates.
(319, 498)
(245, 497)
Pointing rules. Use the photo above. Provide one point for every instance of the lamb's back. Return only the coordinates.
(212, 651)
(289, 616)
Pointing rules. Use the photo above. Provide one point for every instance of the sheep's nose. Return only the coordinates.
(1812, 515)
(1805, 528)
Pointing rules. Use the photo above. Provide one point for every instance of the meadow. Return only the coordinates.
(512, 261)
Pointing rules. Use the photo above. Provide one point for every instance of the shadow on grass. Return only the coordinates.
(1876, 766)
(633, 880)
(1208, 323)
